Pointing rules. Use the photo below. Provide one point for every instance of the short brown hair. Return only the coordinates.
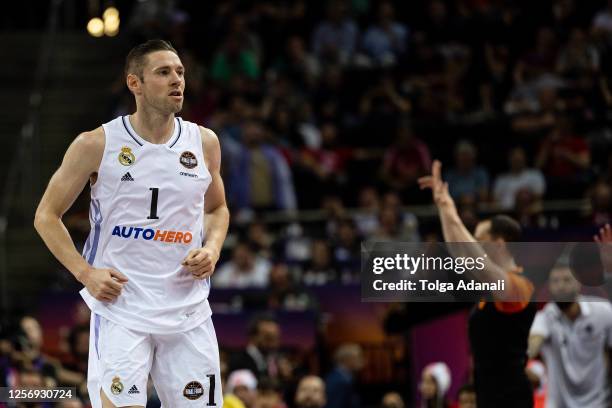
(505, 227)
(135, 60)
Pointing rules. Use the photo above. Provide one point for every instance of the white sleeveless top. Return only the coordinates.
(147, 213)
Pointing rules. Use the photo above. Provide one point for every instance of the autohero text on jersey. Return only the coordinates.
(148, 234)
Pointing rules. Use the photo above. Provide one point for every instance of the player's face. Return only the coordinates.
(163, 84)
(562, 285)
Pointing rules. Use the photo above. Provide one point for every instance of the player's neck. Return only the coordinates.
(572, 311)
(153, 127)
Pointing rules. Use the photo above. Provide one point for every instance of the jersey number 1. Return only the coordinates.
(154, 195)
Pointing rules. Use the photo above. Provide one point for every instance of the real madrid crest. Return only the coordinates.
(116, 387)
(188, 160)
(126, 157)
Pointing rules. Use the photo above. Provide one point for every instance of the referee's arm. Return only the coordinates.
(453, 228)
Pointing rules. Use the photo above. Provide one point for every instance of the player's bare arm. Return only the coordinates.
(535, 345)
(201, 262)
(453, 228)
(80, 162)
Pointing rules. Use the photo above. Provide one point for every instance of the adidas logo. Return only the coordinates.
(127, 177)
(134, 389)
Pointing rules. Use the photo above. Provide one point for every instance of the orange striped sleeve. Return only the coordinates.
(518, 288)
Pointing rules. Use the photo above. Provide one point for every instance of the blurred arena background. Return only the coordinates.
(327, 114)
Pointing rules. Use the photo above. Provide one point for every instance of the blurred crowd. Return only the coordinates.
(318, 99)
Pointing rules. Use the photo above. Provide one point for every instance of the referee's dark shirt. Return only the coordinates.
(499, 332)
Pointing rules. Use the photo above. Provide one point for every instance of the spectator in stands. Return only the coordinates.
(578, 61)
(78, 341)
(310, 393)
(326, 165)
(536, 107)
(261, 354)
(321, 270)
(435, 383)
(74, 403)
(602, 23)
(247, 38)
(467, 178)
(298, 63)
(260, 177)
(466, 396)
(520, 177)
(347, 251)
(600, 196)
(528, 210)
(539, 60)
(564, 158)
(245, 269)
(382, 102)
(260, 239)
(340, 383)
(331, 100)
(573, 332)
(335, 38)
(385, 42)
(268, 396)
(284, 294)
(366, 218)
(29, 379)
(242, 384)
(392, 400)
(6, 349)
(405, 161)
(394, 224)
(27, 348)
(234, 62)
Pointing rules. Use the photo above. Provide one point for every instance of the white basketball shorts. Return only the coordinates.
(184, 366)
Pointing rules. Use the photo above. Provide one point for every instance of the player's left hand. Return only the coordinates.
(201, 262)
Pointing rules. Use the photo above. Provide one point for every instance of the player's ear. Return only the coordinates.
(133, 83)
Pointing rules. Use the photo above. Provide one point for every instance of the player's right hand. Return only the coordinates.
(103, 284)
(439, 188)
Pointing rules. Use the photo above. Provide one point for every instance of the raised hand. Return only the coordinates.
(439, 188)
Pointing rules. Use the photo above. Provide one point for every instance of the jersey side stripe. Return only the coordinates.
(97, 333)
(96, 236)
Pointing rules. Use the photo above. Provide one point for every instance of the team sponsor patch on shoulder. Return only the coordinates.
(188, 160)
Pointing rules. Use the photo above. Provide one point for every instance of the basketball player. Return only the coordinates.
(498, 330)
(158, 220)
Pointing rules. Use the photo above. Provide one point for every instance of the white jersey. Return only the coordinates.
(147, 210)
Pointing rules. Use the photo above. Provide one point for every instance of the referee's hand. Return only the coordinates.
(201, 262)
(439, 188)
(103, 284)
